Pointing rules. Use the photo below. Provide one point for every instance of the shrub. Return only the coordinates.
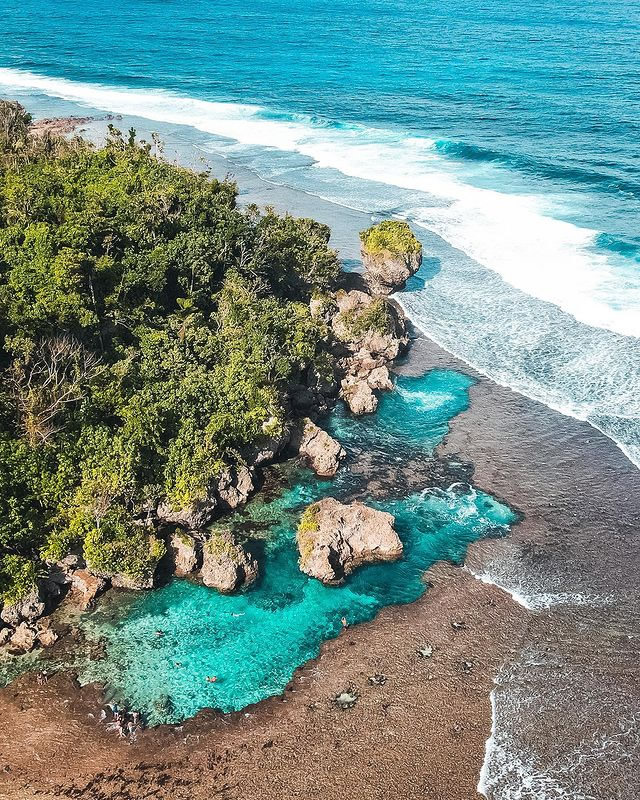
(390, 236)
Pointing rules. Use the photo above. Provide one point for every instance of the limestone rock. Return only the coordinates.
(226, 565)
(184, 551)
(85, 587)
(5, 635)
(28, 609)
(195, 515)
(321, 450)
(137, 583)
(369, 326)
(391, 254)
(359, 396)
(23, 639)
(334, 539)
(47, 637)
(379, 378)
(234, 486)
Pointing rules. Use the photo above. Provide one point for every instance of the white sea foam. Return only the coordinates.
(511, 234)
(590, 371)
(534, 599)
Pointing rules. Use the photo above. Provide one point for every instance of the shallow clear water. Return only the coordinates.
(254, 641)
(507, 135)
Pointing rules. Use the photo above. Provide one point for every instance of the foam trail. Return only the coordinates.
(513, 235)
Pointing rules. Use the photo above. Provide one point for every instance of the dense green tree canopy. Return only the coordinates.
(148, 330)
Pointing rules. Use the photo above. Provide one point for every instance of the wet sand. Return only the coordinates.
(422, 734)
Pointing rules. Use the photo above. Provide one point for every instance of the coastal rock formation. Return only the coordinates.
(85, 587)
(372, 332)
(195, 515)
(391, 254)
(235, 485)
(334, 539)
(369, 326)
(359, 396)
(321, 450)
(226, 565)
(184, 553)
(23, 639)
(28, 609)
(231, 489)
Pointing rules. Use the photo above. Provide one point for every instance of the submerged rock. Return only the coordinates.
(321, 450)
(226, 565)
(391, 254)
(185, 554)
(334, 539)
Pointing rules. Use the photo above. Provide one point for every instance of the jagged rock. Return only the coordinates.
(321, 450)
(379, 378)
(195, 515)
(23, 639)
(5, 635)
(359, 396)
(137, 583)
(85, 587)
(391, 254)
(234, 486)
(226, 565)
(28, 609)
(47, 637)
(370, 327)
(266, 448)
(334, 539)
(184, 551)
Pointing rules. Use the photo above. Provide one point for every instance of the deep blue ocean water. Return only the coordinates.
(507, 134)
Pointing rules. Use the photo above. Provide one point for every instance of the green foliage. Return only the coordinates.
(220, 546)
(17, 578)
(375, 317)
(390, 236)
(148, 332)
(119, 546)
(307, 526)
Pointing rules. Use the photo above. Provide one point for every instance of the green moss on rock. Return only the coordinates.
(390, 236)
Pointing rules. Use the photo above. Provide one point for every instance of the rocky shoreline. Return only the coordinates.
(420, 734)
(365, 334)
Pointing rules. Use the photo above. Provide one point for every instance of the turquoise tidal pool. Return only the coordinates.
(160, 647)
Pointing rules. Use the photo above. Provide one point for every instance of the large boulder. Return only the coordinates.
(23, 639)
(235, 485)
(195, 515)
(334, 539)
(359, 396)
(391, 254)
(28, 609)
(369, 327)
(85, 587)
(321, 451)
(184, 551)
(226, 565)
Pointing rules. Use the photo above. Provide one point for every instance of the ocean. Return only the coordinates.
(508, 138)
